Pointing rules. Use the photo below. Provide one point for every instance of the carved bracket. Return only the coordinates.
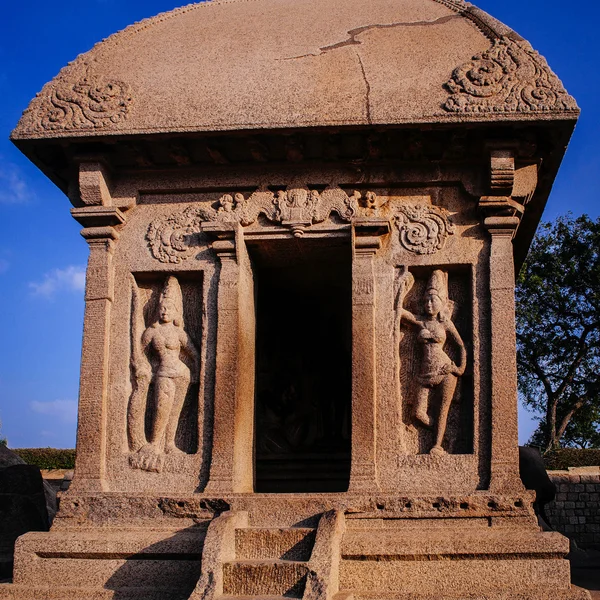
(509, 77)
(502, 171)
(171, 239)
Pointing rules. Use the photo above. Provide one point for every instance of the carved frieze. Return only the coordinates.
(422, 228)
(509, 77)
(92, 103)
(171, 238)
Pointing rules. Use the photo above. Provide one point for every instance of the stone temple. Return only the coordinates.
(298, 371)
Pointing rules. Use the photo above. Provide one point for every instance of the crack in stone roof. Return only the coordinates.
(353, 33)
(368, 90)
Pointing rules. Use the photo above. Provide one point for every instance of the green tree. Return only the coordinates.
(558, 332)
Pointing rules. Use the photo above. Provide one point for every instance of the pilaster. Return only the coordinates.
(366, 241)
(502, 215)
(505, 433)
(232, 460)
(101, 235)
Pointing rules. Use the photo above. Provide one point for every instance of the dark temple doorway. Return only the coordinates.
(303, 365)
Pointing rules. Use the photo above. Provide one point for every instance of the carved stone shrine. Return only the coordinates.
(298, 371)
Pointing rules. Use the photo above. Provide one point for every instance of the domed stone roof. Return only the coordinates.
(278, 64)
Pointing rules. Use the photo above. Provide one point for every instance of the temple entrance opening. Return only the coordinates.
(303, 364)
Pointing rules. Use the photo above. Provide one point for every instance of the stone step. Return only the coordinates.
(465, 578)
(261, 597)
(287, 544)
(10, 591)
(546, 593)
(454, 544)
(264, 578)
(155, 559)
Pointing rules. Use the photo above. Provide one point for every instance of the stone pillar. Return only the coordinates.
(93, 388)
(505, 433)
(366, 240)
(232, 460)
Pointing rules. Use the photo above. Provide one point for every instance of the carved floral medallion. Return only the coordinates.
(422, 228)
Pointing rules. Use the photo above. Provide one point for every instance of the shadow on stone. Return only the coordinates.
(166, 570)
(22, 509)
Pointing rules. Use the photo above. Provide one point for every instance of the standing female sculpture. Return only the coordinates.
(166, 340)
(437, 369)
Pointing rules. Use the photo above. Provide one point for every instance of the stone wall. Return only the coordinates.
(576, 509)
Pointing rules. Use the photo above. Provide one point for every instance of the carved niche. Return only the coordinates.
(165, 365)
(509, 77)
(91, 103)
(431, 359)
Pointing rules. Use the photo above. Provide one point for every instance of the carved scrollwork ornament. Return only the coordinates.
(91, 103)
(509, 77)
(172, 239)
(423, 229)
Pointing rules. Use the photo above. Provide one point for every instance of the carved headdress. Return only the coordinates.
(171, 294)
(438, 285)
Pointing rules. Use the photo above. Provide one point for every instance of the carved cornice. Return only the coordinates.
(170, 238)
(509, 77)
(91, 103)
(422, 228)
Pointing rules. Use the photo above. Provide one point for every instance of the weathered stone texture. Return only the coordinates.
(298, 370)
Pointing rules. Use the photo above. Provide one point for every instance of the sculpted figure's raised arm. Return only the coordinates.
(437, 370)
(165, 341)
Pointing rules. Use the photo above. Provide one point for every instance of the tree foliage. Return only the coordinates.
(558, 332)
(47, 458)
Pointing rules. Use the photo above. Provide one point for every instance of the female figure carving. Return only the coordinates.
(437, 370)
(165, 341)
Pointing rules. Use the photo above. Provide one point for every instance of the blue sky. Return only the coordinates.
(42, 256)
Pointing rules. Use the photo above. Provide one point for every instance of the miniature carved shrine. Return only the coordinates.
(298, 371)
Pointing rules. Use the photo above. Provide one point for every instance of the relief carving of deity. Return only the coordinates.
(437, 372)
(157, 358)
